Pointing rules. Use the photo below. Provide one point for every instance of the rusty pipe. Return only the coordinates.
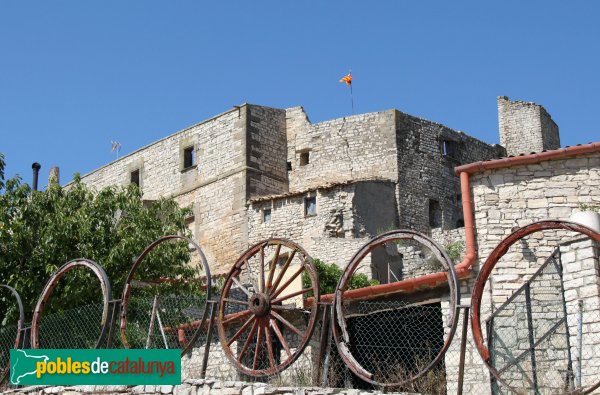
(464, 267)
(510, 161)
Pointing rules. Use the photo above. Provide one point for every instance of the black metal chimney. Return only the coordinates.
(36, 171)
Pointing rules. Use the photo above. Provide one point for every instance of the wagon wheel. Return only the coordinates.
(10, 336)
(366, 363)
(268, 307)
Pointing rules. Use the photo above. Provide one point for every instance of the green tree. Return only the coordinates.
(42, 230)
(329, 276)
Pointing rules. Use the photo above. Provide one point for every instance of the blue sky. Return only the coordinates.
(75, 75)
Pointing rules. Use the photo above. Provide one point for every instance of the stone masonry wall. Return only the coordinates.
(507, 198)
(267, 151)
(194, 387)
(343, 149)
(346, 215)
(427, 154)
(526, 127)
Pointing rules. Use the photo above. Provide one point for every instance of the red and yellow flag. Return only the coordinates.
(347, 79)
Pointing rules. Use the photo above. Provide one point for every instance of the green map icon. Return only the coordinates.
(24, 363)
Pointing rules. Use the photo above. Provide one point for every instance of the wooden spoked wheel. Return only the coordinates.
(268, 307)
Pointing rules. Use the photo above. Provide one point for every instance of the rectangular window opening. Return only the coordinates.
(266, 215)
(188, 157)
(449, 148)
(310, 206)
(289, 166)
(304, 158)
(134, 177)
(435, 214)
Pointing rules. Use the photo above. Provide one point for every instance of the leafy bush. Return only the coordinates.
(329, 275)
(455, 250)
(42, 230)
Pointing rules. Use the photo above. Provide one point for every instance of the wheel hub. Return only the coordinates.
(260, 304)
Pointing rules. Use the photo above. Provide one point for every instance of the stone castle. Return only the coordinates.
(254, 172)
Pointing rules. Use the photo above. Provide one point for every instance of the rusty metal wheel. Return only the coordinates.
(158, 311)
(527, 293)
(91, 334)
(370, 333)
(265, 318)
(10, 335)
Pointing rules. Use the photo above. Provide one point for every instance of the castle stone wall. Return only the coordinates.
(343, 149)
(267, 151)
(427, 154)
(345, 216)
(526, 127)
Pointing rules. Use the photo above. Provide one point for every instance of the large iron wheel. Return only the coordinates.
(265, 317)
(193, 308)
(44, 298)
(343, 335)
(486, 271)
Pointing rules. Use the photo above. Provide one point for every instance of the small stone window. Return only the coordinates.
(134, 177)
(449, 148)
(304, 158)
(188, 157)
(266, 215)
(310, 206)
(289, 166)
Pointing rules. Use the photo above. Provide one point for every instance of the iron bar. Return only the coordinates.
(209, 334)
(463, 348)
(531, 337)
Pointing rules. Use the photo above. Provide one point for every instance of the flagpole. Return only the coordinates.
(352, 99)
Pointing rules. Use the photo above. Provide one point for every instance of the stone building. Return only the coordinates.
(255, 172)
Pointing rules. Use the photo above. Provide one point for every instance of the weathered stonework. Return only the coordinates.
(526, 127)
(252, 152)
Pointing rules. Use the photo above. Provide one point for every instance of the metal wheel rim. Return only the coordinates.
(340, 331)
(486, 271)
(6, 370)
(127, 290)
(53, 281)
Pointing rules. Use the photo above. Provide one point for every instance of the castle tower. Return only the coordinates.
(526, 127)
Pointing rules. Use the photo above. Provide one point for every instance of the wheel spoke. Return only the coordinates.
(269, 346)
(302, 291)
(262, 270)
(273, 266)
(239, 284)
(258, 346)
(287, 323)
(247, 342)
(283, 269)
(235, 316)
(284, 308)
(288, 282)
(282, 340)
(236, 301)
(241, 330)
